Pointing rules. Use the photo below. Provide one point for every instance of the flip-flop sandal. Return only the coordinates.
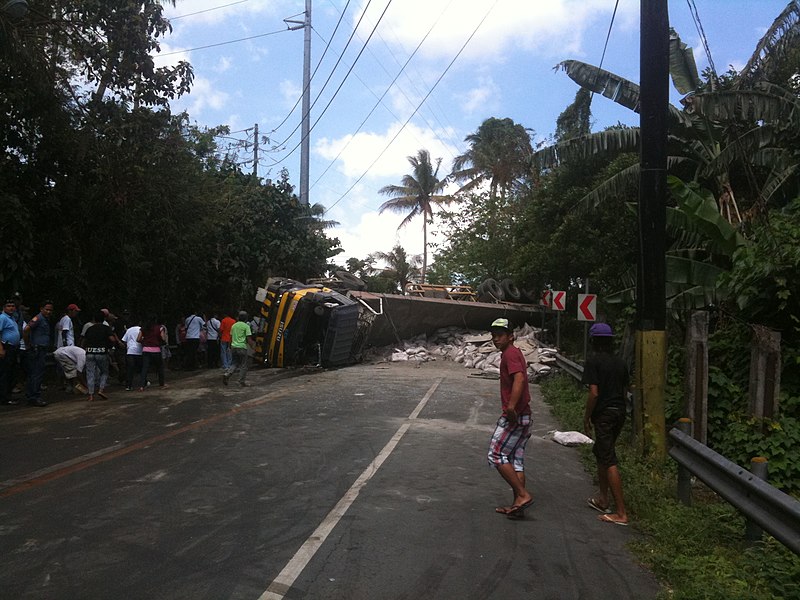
(516, 511)
(503, 510)
(608, 519)
(596, 505)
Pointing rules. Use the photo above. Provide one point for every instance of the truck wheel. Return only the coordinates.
(511, 290)
(351, 281)
(490, 286)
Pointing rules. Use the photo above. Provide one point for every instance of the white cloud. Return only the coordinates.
(290, 91)
(359, 152)
(223, 64)
(205, 96)
(479, 98)
(552, 28)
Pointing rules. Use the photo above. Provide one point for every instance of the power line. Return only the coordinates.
(449, 66)
(338, 89)
(319, 63)
(244, 39)
(207, 10)
(330, 76)
(605, 47)
(699, 26)
(389, 87)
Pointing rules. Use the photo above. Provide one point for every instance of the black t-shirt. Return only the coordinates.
(96, 339)
(610, 374)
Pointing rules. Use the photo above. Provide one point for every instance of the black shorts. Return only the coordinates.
(607, 427)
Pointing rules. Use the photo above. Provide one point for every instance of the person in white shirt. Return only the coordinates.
(194, 324)
(72, 360)
(212, 341)
(133, 356)
(65, 328)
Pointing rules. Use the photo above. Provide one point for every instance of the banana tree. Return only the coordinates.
(749, 128)
(703, 246)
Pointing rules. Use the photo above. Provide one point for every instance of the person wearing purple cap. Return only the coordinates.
(607, 377)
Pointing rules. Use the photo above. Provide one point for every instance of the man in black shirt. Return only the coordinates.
(607, 377)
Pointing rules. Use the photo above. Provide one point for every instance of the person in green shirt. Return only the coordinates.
(241, 338)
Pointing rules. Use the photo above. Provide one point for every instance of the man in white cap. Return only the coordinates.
(513, 430)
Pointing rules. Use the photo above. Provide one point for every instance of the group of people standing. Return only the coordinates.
(84, 360)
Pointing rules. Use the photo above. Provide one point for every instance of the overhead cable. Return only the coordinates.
(449, 66)
(319, 62)
(333, 70)
(206, 10)
(338, 89)
(244, 39)
(386, 91)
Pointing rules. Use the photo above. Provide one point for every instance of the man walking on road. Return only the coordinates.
(607, 378)
(513, 430)
(241, 338)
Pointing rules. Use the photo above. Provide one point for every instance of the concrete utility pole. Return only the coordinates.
(304, 147)
(651, 338)
(306, 107)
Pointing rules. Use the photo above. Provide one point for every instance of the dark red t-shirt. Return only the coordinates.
(513, 361)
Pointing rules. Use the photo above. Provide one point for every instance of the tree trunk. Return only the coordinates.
(424, 246)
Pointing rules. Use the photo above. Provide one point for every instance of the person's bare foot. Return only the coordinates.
(613, 518)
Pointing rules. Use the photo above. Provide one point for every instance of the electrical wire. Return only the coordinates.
(244, 39)
(207, 10)
(338, 89)
(699, 26)
(605, 47)
(386, 91)
(449, 66)
(319, 63)
(330, 76)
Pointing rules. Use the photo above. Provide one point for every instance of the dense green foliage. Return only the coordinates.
(698, 551)
(112, 200)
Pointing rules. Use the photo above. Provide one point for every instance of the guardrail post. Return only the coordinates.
(684, 475)
(759, 466)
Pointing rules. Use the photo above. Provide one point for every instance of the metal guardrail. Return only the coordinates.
(569, 366)
(777, 513)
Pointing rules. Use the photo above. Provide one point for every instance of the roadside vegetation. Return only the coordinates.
(697, 552)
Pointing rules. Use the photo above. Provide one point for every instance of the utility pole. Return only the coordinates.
(255, 151)
(651, 338)
(306, 105)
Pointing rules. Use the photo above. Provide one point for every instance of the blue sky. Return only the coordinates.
(504, 70)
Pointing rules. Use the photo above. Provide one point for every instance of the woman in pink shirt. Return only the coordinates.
(152, 336)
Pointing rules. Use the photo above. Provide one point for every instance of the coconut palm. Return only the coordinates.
(400, 268)
(499, 152)
(416, 195)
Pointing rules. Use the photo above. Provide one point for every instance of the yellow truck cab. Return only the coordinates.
(304, 324)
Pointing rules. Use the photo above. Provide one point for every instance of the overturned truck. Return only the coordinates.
(305, 324)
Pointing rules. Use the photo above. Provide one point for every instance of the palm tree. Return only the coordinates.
(416, 195)
(499, 152)
(401, 268)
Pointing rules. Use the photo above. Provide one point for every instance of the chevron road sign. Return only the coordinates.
(546, 299)
(559, 300)
(587, 307)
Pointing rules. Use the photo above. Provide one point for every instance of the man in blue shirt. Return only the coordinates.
(37, 340)
(9, 347)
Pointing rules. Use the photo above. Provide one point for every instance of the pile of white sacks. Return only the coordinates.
(474, 349)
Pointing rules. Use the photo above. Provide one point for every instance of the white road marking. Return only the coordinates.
(286, 578)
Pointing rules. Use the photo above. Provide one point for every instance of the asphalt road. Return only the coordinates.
(368, 482)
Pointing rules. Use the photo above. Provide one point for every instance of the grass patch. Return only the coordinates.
(697, 552)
